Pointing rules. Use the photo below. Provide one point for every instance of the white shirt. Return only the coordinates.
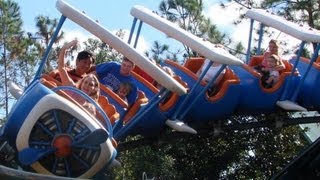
(213, 70)
(274, 73)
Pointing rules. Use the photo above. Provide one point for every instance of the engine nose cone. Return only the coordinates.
(63, 145)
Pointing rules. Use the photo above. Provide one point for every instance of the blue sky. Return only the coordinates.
(110, 13)
(115, 15)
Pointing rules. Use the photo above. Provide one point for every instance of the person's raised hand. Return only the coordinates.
(71, 44)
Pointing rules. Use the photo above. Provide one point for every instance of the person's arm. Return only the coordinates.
(203, 66)
(281, 66)
(132, 96)
(220, 76)
(264, 60)
(265, 69)
(199, 71)
(65, 78)
(90, 107)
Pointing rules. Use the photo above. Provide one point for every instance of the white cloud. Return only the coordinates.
(224, 18)
(142, 44)
(71, 34)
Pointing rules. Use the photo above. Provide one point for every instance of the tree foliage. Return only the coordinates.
(21, 51)
(10, 32)
(103, 52)
(254, 153)
(304, 12)
(189, 16)
(46, 27)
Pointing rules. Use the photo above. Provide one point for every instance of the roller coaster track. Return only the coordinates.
(235, 123)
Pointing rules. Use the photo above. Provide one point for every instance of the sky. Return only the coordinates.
(115, 15)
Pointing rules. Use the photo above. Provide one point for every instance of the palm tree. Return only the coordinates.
(157, 50)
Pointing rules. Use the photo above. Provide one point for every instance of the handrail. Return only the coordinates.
(288, 27)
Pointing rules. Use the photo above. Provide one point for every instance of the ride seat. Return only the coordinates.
(137, 70)
(47, 82)
(288, 66)
(184, 70)
(144, 85)
(194, 63)
(172, 98)
(51, 79)
(257, 60)
(316, 64)
(141, 100)
(318, 60)
(229, 78)
(54, 73)
(109, 109)
(114, 96)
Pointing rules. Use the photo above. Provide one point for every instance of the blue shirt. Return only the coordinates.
(109, 75)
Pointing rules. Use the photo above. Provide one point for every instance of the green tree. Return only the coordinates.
(46, 27)
(103, 52)
(246, 153)
(301, 12)
(10, 31)
(160, 52)
(157, 51)
(189, 16)
(23, 68)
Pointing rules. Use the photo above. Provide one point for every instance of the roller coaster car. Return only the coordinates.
(117, 109)
(148, 114)
(220, 104)
(253, 89)
(108, 108)
(257, 60)
(55, 135)
(308, 96)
